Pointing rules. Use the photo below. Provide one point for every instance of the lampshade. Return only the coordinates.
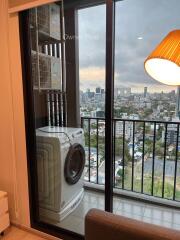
(163, 64)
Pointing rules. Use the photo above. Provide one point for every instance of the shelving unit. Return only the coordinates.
(47, 32)
(47, 45)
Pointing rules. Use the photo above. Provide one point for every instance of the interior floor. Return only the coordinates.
(163, 216)
(14, 233)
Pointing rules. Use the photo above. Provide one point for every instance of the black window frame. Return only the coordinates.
(30, 116)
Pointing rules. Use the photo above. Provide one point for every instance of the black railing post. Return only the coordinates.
(82, 122)
(176, 161)
(153, 159)
(164, 163)
(89, 148)
(123, 156)
(132, 180)
(110, 20)
(97, 151)
(114, 154)
(142, 177)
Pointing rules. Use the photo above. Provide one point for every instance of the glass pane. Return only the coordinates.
(70, 159)
(92, 31)
(145, 146)
(92, 45)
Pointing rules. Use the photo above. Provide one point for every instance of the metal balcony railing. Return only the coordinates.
(145, 155)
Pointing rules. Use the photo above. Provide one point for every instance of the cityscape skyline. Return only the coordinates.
(144, 105)
(166, 89)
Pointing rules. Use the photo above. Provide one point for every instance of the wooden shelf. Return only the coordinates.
(45, 38)
(48, 89)
(45, 55)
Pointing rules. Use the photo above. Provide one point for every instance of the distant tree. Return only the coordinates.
(93, 126)
(119, 150)
(93, 143)
(159, 148)
(148, 146)
(117, 113)
(147, 129)
(101, 146)
(159, 133)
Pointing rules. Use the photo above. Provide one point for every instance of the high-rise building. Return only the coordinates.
(98, 96)
(98, 90)
(171, 134)
(145, 92)
(89, 94)
(102, 91)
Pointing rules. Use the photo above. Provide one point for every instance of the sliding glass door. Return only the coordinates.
(98, 127)
(64, 53)
(146, 162)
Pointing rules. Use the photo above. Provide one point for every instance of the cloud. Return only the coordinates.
(91, 77)
(147, 19)
(92, 74)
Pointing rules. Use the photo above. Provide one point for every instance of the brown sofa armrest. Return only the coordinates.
(102, 225)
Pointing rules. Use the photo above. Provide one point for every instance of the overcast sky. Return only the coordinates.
(140, 26)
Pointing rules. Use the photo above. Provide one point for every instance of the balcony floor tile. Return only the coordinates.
(149, 213)
(131, 207)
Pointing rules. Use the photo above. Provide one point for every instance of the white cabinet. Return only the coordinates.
(4, 215)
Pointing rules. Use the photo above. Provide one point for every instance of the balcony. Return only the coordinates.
(145, 154)
(145, 212)
(146, 172)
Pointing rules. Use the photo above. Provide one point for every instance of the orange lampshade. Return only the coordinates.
(163, 64)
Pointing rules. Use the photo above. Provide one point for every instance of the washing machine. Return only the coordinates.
(60, 165)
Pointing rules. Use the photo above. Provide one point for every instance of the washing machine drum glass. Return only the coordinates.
(74, 164)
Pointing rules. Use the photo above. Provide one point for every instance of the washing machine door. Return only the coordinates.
(74, 163)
